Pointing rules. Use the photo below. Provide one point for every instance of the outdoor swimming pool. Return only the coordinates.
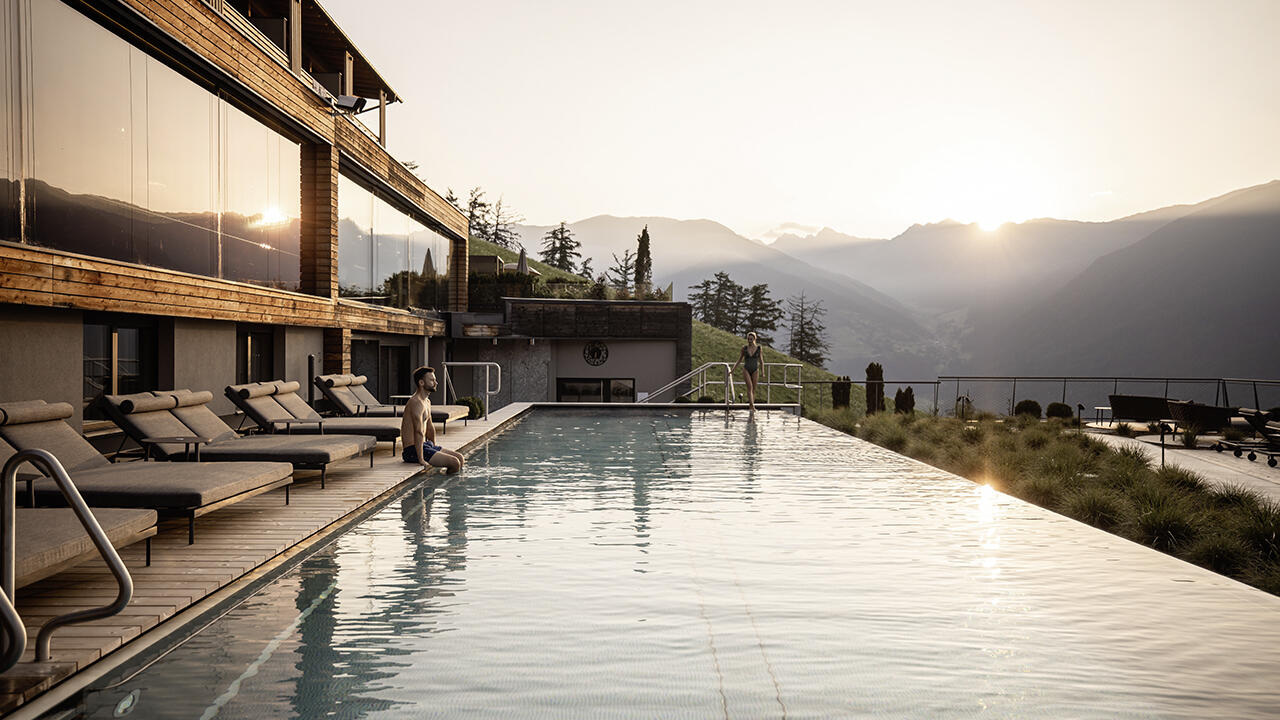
(688, 564)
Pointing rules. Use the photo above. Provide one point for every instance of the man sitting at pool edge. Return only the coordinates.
(416, 431)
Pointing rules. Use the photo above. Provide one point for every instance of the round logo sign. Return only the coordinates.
(595, 353)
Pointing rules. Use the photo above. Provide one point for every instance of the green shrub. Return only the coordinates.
(1165, 523)
(1027, 407)
(1123, 429)
(1059, 410)
(1233, 434)
(1182, 479)
(682, 399)
(1189, 435)
(895, 440)
(1235, 496)
(1039, 489)
(1261, 529)
(1096, 506)
(1221, 554)
(1036, 439)
(706, 399)
(973, 434)
(475, 406)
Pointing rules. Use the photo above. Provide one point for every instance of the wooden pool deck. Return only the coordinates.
(230, 544)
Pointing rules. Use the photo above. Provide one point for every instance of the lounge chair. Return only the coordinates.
(1205, 417)
(349, 397)
(1267, 426)
(188, 491)
(1141, 408)
(156, 420)
(276, 407)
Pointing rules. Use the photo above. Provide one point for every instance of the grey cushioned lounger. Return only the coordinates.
(50, 540)
(276, 407)
(349, 395)
(172, 413)
(189, 489)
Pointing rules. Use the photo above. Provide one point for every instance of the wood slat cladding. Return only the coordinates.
(337, 351)
(319, 249)
(48, 278)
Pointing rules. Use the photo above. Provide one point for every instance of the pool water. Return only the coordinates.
(701, 565)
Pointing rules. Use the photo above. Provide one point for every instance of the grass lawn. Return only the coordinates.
(477, 246)
(711, 344)
(1232, 531)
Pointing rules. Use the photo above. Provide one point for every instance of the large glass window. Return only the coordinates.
(119, 359)
(385, 256)
(132, 161)
(355, 239)
(9, 108)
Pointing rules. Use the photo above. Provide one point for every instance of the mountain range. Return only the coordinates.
(1186, 289)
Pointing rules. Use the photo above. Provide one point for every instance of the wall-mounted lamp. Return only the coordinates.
(348, 103)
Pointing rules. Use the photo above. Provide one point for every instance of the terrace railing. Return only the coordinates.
(489, 389)
(1094, 387)
(712, 374)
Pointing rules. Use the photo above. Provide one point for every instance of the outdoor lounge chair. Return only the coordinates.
(50, 540)
(275, 407)
(1141, 408)
(189, 490)
(1205, 417)
(178, 425)
(350, 397)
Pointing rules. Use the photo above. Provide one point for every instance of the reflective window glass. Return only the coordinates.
(80, 188)
(180, 222)
(120, 357)
(8, 124)
(429, 265)
(355, 239)
(261, 203)
(391, 254)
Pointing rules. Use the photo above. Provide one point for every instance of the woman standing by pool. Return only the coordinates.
(750, 359)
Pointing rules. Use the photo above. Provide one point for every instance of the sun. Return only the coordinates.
(990, 224)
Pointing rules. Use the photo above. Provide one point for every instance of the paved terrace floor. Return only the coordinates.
(230, 544)
(1220, 469)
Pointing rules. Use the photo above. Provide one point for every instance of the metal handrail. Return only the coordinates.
(8, 548)
(768, 378)
(699, 372)
(489, 389)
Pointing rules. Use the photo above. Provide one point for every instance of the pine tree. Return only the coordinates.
(622, 272)
(763, 313)
(806, 330)
(453, 200)
(725, 311)
(503, 228)
(478, 215)
(560, 250)
(585, 269)
(701, 298)
(644, 264)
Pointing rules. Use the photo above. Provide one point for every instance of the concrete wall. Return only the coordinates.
(651, 362)
(291, 355)
(203, 357)
(42, 356)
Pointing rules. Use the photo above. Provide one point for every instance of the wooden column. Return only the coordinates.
(348, 75)
(458, 268)
(295, 36)
(337, 351)
(319, 250)
(382, 118)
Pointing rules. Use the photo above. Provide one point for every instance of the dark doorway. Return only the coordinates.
(364, 361)
(395, 371)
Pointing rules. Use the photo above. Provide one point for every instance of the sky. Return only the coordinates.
(862, 116)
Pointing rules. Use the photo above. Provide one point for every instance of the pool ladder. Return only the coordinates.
(15, 632)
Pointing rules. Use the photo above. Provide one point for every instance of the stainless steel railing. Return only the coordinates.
(698, 380)
(768, 379)
(489, 389)
(16, 634)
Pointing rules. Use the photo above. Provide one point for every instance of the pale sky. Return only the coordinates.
(862, 116)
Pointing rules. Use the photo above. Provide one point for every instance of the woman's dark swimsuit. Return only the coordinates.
(752, 362)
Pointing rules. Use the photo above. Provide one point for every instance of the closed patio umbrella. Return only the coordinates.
(522, 265)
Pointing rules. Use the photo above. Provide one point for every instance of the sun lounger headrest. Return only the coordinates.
(284, 387)
(358, 380)
(33, 411)
(142, 402)
(252, 390)
(189, 398)
(335, 380)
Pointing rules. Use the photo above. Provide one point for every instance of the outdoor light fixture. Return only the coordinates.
(349, 103)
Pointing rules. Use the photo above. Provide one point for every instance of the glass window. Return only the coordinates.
(355, 239)
(429, 266)
(391, 254)
(80, 190)
(178, 228)
(119, 358)
(255, 355)
(8, 124)
(261, 203)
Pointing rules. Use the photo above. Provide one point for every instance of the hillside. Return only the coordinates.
(1195, 298)
(863, 324)
(711, 344)
(476, 246)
